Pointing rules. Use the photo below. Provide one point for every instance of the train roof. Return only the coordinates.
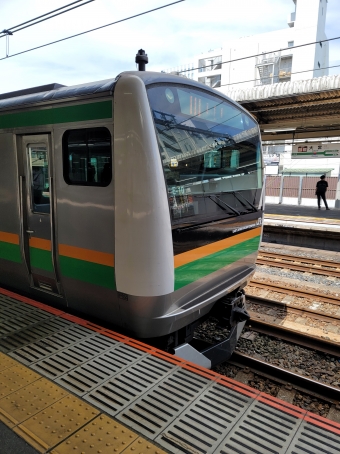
(40, 94)
(55, 92)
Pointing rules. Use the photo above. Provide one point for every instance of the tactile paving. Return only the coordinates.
(55, 423)
(14, 378)
(6, 362)
(31, 399)
(115, 394)
(102, 435)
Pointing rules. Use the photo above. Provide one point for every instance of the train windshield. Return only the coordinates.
(211, 154)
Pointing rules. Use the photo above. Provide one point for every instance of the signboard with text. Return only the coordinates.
(312, 150)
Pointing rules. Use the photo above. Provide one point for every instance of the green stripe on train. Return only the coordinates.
(9, 251)
(53, 115)
(92, 273)
(39, 258)
(191, 272)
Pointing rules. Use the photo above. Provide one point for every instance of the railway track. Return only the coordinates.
(282, 376)
(298, 263)
(304, 322)
(294, 309)
(308, 319)
(293, 335)
(292, 291)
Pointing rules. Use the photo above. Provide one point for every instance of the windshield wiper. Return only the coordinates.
(239, 196)
(220, 202)
(196, 226)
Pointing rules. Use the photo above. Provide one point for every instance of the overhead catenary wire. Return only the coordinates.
(93, 29)
(30, 23)
(261, 54)
(296, 72)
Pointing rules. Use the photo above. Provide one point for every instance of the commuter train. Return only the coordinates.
(136, 200)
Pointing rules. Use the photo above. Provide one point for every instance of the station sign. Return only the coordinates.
(312, 150)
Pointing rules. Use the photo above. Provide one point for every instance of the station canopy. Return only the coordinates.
(303, 109)
(304, 171)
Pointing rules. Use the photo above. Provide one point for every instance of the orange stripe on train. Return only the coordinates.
(101, 258)
(204, 251)
(12, 238)
(39, 243)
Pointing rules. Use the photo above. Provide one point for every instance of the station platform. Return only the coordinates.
(302, 226)
(70, 386)
(302, 214)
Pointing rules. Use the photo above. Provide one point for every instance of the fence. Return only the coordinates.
(297, 190)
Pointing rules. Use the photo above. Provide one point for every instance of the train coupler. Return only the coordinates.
(232, 310)
(231, 313)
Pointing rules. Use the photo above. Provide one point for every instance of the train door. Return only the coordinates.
(38, 220)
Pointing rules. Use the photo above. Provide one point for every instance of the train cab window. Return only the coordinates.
(211, 153)
(87, 157)
(38, 163)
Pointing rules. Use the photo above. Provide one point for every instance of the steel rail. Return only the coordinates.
(291, 308)
(308, 265)
(300, 259)
(294, 337)
(275, 373)
(294, 292)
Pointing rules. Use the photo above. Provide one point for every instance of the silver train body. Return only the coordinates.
(136, 200)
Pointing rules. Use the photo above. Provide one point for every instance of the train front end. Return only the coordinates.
(189, 179)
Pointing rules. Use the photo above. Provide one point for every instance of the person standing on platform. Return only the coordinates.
(321, 189)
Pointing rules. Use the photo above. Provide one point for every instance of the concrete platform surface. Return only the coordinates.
(298, 210)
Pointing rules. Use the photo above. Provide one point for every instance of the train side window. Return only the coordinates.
(87, 157)
(39, 175)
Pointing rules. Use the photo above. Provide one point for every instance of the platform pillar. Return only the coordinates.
(337, 193)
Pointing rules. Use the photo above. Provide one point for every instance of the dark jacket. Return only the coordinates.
(321, 186)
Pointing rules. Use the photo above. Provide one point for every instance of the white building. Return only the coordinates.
(276, 59)
(272, 65)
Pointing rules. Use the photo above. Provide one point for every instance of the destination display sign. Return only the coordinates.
(312, 150)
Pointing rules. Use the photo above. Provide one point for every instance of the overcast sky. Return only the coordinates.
(170, 36)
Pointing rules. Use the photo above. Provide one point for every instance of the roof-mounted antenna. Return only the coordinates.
(141, 59)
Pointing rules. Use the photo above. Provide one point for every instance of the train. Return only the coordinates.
(136, 200)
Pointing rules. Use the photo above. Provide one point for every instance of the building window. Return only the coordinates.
(212, 81)
(285, 69)
(272, 69)
(266, 73)
(87, 157)
(290, 43)
(210, 64)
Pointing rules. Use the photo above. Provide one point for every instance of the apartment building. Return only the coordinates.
(277, 58)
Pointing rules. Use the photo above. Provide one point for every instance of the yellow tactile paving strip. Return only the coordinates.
(101, 435)
(56, 422)
(6, 362)
(14, 378)
(52, 420)
(313, 220)
(20, 405)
